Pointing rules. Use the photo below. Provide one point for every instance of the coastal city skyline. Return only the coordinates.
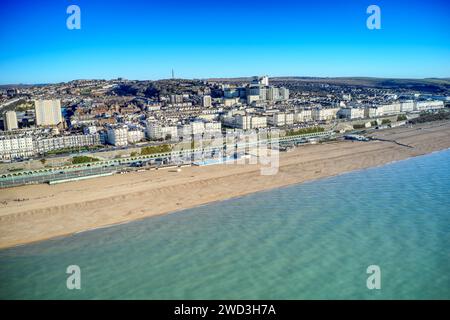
(172, 76)
(201, 40)
(179, 122)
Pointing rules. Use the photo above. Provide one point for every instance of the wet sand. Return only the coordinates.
(34, 213)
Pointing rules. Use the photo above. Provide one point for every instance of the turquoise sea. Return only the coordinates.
(309, 241)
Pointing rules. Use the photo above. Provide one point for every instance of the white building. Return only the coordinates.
(199, 127)
(176, 98)
(156, 131)
(258, 122)
(263, 93)
(45, 144)
(243, 122)
(248, 122)
(184, 130)
(213, 127)
(373, 112)
(407, 106)
(12, 147)
(135, 135)
(303, 115)
(273, 94)
(264, 80)
(252, 98)
(48, 112)
(26, 146)
(428, 105)
(347, 97)
(154, 107)
(282, 119)
(207, 101)
(351, 113)
(229, 102)
(392, 108)
(284, 93)
(324, 114)
(10, 121)
(118, 136)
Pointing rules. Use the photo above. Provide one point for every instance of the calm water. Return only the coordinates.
(310, 241)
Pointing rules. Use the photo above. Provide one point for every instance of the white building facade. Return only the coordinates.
(10, 121)
(118, 136)
(12, 147)
(48, 112)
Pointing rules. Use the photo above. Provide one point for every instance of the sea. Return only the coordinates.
(378, 233)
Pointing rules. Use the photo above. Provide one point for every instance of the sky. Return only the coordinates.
(146, 39)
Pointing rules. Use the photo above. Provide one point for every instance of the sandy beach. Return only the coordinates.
(34, 213)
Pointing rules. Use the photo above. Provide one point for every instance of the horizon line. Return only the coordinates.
(219, 78)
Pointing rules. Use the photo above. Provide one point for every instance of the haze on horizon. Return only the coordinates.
(145, 40)
(246, 78)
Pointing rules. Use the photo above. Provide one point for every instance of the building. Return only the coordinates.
(428, 105)
(258, 122)
(207, 101)
(263, 93)
(43, 145)
(407, 106)
(284, 93)
(324, 114)
(230, 93)
(176, 98)
(48, 112)
(118, 136)
(282, 119)
(392, 108)
(184, 130)
(351, 113)
(248, 122)
(213, 127)
(24, 146)
(347, 97)
(243, 122)
(373, 112)
(198, 128)
(254, 90)
(264, 80)
(135, 135)
(229, 102)
(252, 98)
(10, 120)
(155, 131)
(303, 115)
(90, 130)
(273, 94)
(12, 147)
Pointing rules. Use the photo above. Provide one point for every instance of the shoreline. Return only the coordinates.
(53, 212)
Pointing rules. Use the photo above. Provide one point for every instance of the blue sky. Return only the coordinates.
(139, 39)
